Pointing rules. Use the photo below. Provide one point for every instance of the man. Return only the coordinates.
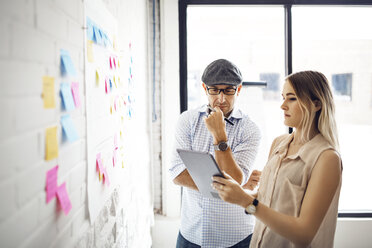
(209, 222)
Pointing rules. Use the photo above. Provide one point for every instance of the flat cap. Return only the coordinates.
(222, 71)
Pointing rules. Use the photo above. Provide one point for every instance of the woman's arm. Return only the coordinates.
(319, 194)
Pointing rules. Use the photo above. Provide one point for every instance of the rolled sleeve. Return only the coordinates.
(182, 141)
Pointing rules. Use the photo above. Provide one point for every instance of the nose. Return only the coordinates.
(283, 106)
(221, 96)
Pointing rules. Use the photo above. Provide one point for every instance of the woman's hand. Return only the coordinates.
(216, 125)
(230, 191)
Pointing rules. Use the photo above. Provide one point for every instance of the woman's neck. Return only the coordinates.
(298, 134)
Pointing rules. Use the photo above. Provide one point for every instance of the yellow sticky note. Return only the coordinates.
(90, 56)
(100, 176)
(51, 143)
(97, 77)
(48, 92)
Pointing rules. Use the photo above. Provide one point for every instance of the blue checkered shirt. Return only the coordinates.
(213, 222)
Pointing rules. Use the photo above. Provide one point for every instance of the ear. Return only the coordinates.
(239, 89)
(205, 88)
(317, 105)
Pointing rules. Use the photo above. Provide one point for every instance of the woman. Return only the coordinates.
(297, 202)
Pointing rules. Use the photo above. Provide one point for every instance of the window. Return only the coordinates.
(272, 90)
(319, 38)
(341, 84)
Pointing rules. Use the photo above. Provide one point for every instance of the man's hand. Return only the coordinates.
(216, 125)
(253, 180)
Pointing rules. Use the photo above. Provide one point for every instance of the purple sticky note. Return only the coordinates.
(51, 183)
(75, 93)
(63, 198)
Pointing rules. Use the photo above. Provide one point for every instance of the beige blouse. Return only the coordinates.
(283, 186)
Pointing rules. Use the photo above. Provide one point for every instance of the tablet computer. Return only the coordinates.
(201, 166)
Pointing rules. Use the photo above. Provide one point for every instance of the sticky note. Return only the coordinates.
(67, 99)
(75, 93)
(106, 86)
(51, 150)
(110, 60)
(113, 58)
(67, 67)
(90, 33)
(68, 128)
(106, 179)
(90, 56)
(98, 77)
(48, 92)
(97, 36)
(114, 157)
(51, 183)
(63, 198)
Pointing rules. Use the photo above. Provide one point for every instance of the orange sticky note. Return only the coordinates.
(48, 92)
(51, 149)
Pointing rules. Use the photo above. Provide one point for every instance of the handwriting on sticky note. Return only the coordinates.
(48, 92)
(75, 93)
(63, 198)
(68, 128)
(51, 150)
(51, 183)
(67, 99)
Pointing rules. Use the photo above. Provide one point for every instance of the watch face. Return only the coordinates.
(222, 146)
(251, 209)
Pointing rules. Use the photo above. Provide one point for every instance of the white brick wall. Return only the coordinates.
(33, 32)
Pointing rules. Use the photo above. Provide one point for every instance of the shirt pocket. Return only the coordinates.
(290, 197)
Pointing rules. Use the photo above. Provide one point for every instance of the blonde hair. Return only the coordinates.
(312, 88)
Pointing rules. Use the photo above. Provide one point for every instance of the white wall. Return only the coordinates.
(33, 32)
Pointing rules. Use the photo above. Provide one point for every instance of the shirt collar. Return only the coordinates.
(282, 148)
(236, 113)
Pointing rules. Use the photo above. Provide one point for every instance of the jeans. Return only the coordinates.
(184, 243)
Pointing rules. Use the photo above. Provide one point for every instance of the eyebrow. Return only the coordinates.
(289, 94)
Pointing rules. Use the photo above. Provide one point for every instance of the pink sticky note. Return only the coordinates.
(51, 183)
(99, 163)
(113, 59)
(75, 93)
(106, 88)
(110, 62)
(63, 198)
(114, 158)
(106, 179)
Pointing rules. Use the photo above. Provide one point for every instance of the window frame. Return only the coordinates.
(182, 12)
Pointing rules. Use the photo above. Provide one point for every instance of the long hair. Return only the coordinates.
(312, 86)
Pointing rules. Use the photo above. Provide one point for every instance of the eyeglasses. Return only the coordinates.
(227, 91)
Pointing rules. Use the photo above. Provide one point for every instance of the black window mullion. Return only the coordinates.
(182, 11)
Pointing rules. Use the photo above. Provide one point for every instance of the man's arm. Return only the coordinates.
(184, 179)
(178, 170)
(242, 158)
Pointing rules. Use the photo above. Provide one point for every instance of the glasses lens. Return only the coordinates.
(230, 91)
(213, 91)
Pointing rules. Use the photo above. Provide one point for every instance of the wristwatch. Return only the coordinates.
(222, 146)
(251, 209)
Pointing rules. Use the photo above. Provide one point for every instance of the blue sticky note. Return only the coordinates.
(67, 67)
(67, 99)
(68, 127)
(90, 32)
(97, 36)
